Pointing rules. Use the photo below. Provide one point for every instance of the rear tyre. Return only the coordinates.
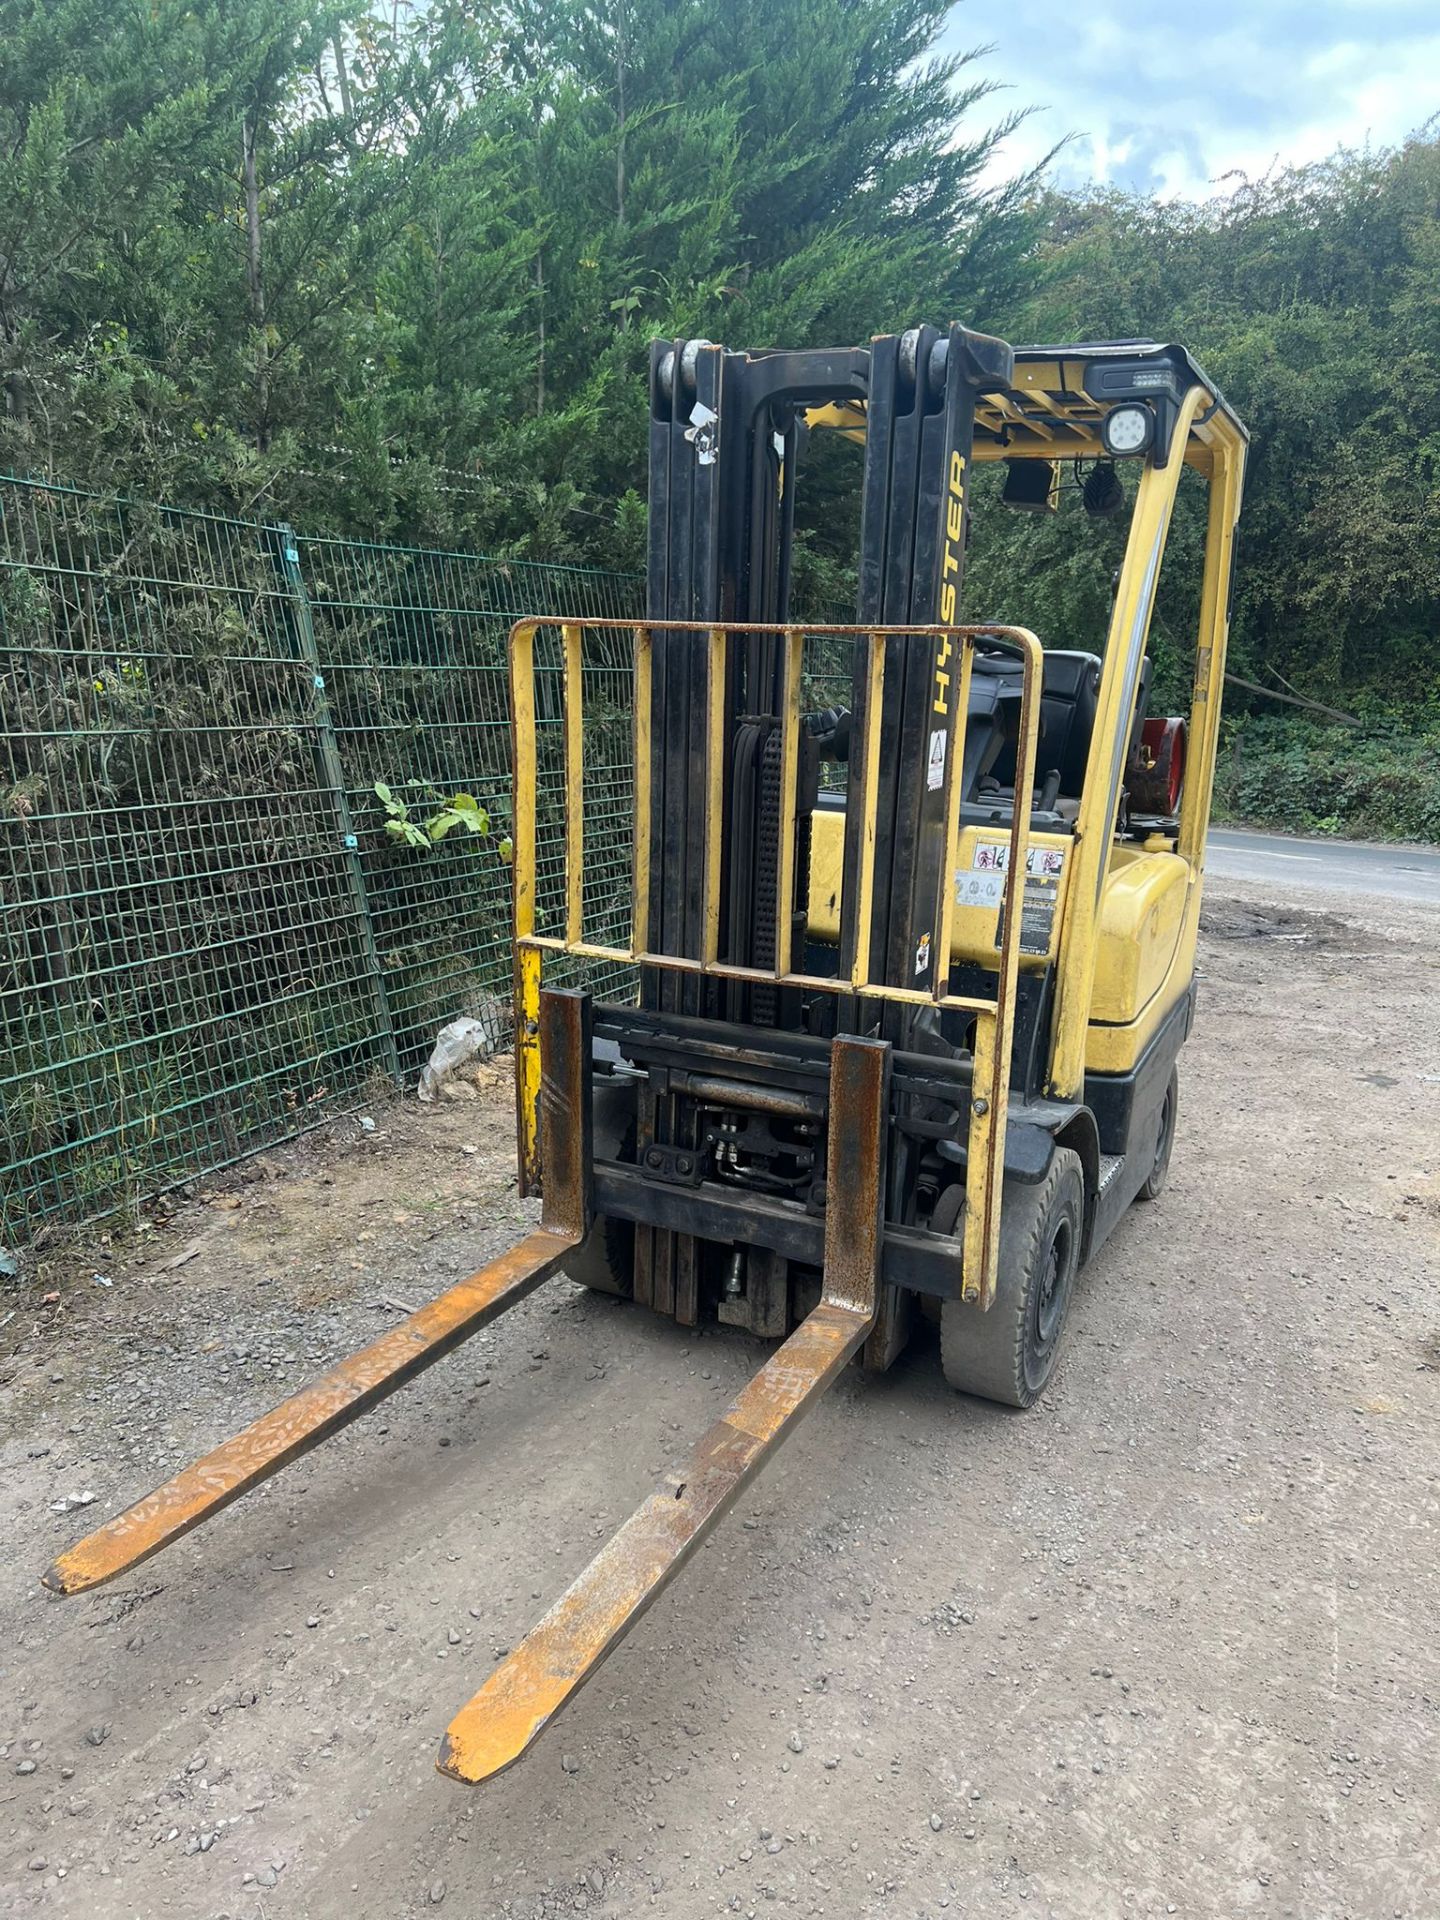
(1164, 1141)
(1009, 1353)
(605, 1260)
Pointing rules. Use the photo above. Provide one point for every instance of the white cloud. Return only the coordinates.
(1160, 107)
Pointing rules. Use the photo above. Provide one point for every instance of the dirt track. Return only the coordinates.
(1165, 1646)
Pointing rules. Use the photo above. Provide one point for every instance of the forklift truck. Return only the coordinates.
(905, 976)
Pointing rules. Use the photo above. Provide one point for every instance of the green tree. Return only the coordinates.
(395, 268)
(104, 114)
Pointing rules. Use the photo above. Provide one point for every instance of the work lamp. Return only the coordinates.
(1127, 430)
(1103, 493)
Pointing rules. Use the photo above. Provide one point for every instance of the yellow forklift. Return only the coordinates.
(903, 976)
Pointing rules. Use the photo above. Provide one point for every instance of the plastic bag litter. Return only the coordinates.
(455, 1045)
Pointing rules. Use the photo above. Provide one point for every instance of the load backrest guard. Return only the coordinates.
(846, 995)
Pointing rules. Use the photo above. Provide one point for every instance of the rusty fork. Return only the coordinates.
(359, 1382)
(555, 1660)
(552, 1663)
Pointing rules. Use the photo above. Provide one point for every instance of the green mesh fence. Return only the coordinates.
(413, 646)
(207, 939)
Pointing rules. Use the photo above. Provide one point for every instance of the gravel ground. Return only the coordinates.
(1165, 1645)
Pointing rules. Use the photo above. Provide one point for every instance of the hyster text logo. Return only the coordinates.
(950, 578)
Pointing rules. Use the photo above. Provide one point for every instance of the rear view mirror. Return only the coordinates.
(1031, 486)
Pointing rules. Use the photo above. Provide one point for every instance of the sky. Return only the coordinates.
(1169, 99)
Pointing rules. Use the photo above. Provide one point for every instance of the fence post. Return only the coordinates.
(327, 753)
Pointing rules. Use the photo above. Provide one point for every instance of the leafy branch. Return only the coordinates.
(459, 810)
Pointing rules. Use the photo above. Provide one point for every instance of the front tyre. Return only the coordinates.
(605, 1260)
(1009, 1353)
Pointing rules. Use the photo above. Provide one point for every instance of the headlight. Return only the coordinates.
(1127, 430)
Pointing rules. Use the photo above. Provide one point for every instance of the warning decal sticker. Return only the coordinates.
(1037, 914)
(982, 884)
(935, 766)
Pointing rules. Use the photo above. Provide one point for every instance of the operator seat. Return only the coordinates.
(1069, 696)
(1069, 690)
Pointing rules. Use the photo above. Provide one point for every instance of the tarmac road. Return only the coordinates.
(1340, 866)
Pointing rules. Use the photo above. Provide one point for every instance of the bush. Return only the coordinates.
(1376, 782)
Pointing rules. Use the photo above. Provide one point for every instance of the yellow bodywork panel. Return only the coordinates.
(1144, 955)
(982, 858)
(827, 854)
(1145, 937)
(1142, 911)
(1117, 1049)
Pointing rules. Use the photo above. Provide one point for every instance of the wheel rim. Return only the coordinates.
(1054, 1287)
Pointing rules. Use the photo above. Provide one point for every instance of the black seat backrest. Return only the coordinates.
(1068, 695)
(992, 718)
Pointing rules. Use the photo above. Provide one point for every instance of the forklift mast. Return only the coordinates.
(725, 431)
(725, 435)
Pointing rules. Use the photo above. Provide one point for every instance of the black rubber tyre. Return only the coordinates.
(1164, 1141)
(1009, 1353)
(605, 1260)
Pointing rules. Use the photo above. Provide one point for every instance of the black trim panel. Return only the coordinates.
(924, 1262)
